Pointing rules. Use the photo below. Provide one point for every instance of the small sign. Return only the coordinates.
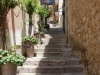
(47, 2)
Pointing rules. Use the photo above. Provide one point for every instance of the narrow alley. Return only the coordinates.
(53, 57)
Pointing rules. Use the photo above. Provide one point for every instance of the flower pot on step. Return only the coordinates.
(28, 49)
(36, 35)
(30, 52)
(42, 35)
(28, 43)
(9, 62)
(8, 69)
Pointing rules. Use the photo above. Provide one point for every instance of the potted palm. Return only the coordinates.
(42, 34)
(30, 7)
(9, 62)
(28, 43)
(43, 13)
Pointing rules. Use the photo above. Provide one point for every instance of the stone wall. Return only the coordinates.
(84, 32)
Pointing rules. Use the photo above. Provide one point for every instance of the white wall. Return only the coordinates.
(18, 25)
(60, 12)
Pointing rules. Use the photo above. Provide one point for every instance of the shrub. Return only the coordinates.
(7, 57)
(32, 39)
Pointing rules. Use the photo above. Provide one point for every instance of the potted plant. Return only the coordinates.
(36, 35)
(30, 7)
(43, 13)
(28, 43)
(9, 62)
(42, 34)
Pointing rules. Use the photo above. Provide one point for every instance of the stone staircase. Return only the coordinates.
(53, 57)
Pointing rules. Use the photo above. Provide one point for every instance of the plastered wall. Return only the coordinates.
(84, 32)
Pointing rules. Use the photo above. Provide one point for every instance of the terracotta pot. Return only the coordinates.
(30, 52)
(28, 49)
(9, 69)
(37, 35)
(42, 35)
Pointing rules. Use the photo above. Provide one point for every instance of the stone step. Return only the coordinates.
(54, 50)
(51, 46)
(52, 54)
(45, 39)
(81, 73)
(50, 69)
(51, 73)
(66, 52)
(52, 61)
(42, 48)
(54, 42)
(55, 36)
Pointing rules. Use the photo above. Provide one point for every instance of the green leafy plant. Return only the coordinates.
(42, 11)
(41, 33)
(30, 6)
(13, 48)
(32, 39)
(9, 3)
(7, 57)
(41, 27)
(3, 53)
